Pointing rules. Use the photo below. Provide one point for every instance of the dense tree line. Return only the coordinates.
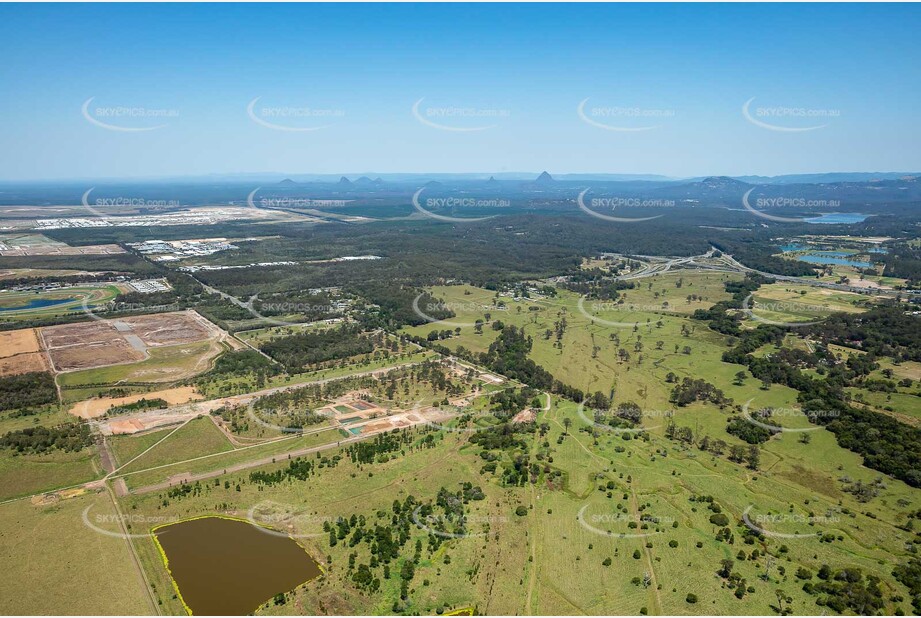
(154, 403)
(508, 355)
(299, 351)
(903, 261)
(39, 440)
(885, 330)
(27, 390)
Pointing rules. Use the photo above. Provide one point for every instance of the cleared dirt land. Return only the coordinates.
(20, 352)
(111, 342)
(86, 345)
(60, 249)
(93, 408)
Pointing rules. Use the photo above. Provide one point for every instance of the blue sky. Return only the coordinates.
(667, 81)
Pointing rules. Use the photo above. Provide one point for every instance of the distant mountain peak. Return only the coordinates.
(344, 181)
(721, 182)
(544, 177)
(492, 179)
(287, 182)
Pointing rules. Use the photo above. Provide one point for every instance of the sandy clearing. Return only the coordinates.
(23, 363)
(20, 341)
(94, 408)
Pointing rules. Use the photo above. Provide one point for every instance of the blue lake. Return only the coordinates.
(839, 217)
(39, 303)
(827, 259)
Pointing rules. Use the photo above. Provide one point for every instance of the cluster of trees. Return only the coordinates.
(382, 541)
(738, 453)
(512, 401)
(27, 390)
(719, 317)
(155, 403)
(748, 431)
(690, 390)
(300, 351)
(298, 469)
(38, 440)
(243, 362)
(506, 444)
(845, 590)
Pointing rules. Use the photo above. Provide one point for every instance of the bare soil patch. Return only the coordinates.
(88, 344)
(93, 408)
(23, 363)
(21, 352)
(21, 341)
(170, 328)
(62, 250)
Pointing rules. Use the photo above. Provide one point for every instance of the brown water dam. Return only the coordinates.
(230, 567)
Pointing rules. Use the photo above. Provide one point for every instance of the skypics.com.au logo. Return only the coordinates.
(429, 310)
(622, 525)
(622, 119)
(783, 202)
(786, 119)
(462, 527)
(295, 119)
(610, 203)
(760, 417)
(626, 418)
(127, 119)
(455, 202)
(466, 119)
(767, 523)
(784, 312)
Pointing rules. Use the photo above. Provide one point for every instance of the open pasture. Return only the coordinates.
(63, 566)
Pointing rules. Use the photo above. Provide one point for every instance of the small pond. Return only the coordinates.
(231, 567)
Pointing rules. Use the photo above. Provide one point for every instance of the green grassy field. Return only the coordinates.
(570, 549)
(57, 565)
(165, 364)
(547, 562)
(588, 357)
(196, 438)
(127, 447)
(141, 476)
(783, 302)
(23, 475)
